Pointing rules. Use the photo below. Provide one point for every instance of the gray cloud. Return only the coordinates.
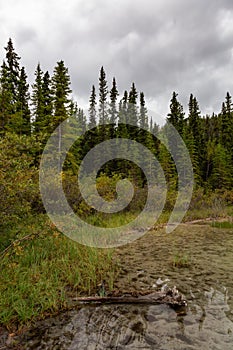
(162, 46)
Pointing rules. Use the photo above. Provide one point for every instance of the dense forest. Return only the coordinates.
(28, 116)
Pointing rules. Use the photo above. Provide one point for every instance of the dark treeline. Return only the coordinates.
(36, 114)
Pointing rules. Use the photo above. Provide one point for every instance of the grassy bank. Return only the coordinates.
(41, 268)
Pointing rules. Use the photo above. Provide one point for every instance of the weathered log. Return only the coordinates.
(171, 297)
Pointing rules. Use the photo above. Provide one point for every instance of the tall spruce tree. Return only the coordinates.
(144, 137)
(113, 109)
(47, 99)
(42, 102)
(103, 93)
(92, 109)
(132, 106)
(194, 117)
(143, 118)
(61, 101)
(103, 127)
(132, 113)
(61, 93)
(91, 136)
(227, 124)
(122, 117)
(6, 99)
(193, 138)
(176, 115)
(13, 67)
(23, 98)
(38, 101)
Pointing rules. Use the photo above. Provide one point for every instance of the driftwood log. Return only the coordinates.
(170, 296)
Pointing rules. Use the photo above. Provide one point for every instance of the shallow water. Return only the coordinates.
(206, 283)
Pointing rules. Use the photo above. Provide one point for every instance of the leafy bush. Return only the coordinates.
(19, 190)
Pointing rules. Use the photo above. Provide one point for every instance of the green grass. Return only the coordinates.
(40, 273)
(181, 260)
(111, 220)
(223, 224)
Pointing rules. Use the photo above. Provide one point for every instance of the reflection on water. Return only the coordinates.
(142, 327)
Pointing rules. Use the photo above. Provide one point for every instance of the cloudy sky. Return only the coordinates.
(162, 45)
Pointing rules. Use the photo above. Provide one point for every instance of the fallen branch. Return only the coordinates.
(170, 297)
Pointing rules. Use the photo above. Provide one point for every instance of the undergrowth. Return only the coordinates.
(39, 272)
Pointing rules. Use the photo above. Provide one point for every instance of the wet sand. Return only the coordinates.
(148, 261)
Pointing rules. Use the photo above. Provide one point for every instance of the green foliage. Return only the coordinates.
(61, 93)
(103, 92)
(176, 115)
(181, 260)
(13, 68)
(92, 109)
(23, 104)
(113, 109)
(37, 100)
(19, 190)
(223, 224)
(39, 272)
(227, 124)
(208, 139)
(6, 100)
(222, 168)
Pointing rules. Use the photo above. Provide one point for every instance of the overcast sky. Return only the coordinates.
(162, 45)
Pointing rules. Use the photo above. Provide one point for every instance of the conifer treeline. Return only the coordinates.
(209, 139)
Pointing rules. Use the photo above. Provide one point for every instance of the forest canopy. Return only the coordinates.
(28, 116)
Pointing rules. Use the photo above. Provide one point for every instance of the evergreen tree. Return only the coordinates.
(173, 127)
(221, 176)
(122, 117)
(91, 136)
(144, 137)
(82, 121)
(61, 101)
(92, 109)
(176, 115)
(133, 132)
(113, 109)
(37, 100)
(47, 99)
(194, 117)
(42, 102)
(6, 99)
(132, 113)
(103, 92)
(193, 153)
(227, 124)
(12, 64)
(210, 147)
(143, 118)
(103, 127)
(193, 138)
(23, 110)
(61, 93)
(168, 167)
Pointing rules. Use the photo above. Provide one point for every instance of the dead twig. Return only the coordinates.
(17, 241)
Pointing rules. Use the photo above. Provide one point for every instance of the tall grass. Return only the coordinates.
(222, 224)
(40, 273)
